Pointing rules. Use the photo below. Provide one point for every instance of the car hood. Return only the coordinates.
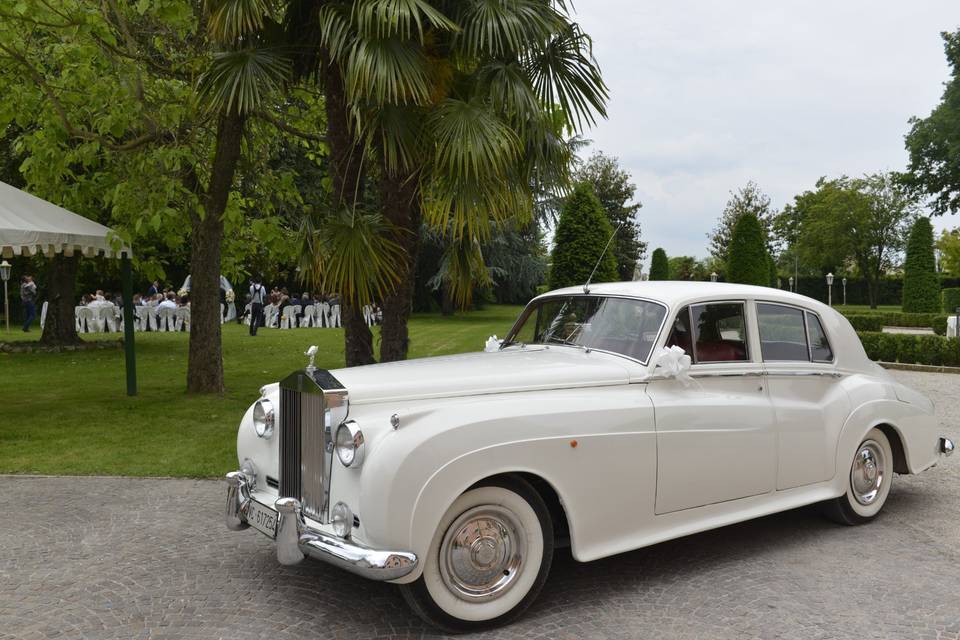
(509, 370)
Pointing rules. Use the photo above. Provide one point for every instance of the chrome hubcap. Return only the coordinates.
(867, 473)
(481, 553)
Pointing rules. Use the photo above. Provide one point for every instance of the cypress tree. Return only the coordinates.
(582, 233)
(748, 260)
(921, 287)
(659, 265)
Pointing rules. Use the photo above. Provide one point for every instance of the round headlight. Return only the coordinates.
(263, 418)
(350, 444)
(341, 519)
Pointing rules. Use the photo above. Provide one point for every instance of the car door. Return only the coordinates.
(715, 437)
(808, 402)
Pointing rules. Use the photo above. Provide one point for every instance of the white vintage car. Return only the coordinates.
(610, 418)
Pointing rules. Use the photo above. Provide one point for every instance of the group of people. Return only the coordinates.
(278, 298)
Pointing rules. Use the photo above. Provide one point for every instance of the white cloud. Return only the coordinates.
(708, 95)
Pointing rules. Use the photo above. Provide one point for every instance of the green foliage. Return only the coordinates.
(750, 199)
(911, 349)
(934, 142)
(581, 236)
(659, 265)
(748, 258)
(921, 287)
(682, 268)
(866, 322)
(951, 300)
(875, 321)
(948, 244)
(614, 189)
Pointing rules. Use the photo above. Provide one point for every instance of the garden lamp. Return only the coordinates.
(830, 289)
(5, 276)
(844, 292)
(713, 276)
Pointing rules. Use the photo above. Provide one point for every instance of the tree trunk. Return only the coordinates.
(346, 161)
(446, 299)
(205, 359)
(401, 207)
(60, 327)
(358, 348)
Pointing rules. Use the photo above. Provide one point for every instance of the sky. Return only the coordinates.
(705, 96)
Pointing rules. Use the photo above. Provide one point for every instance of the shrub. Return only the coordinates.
(748, 260)
(921, 286)
(930, 349)
(866, 322)
(582, 233)
(876, 321)
(871, 343)
(659, 265)
(951, 300)
(887, 347)
(911, 349)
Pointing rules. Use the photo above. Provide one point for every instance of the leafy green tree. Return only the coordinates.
(921, 286)
(582, 234)
(460, 108)
(659, 265)
(863, 220)
(616, 193)
(749, 199)
(934, 142)
(948, 244)
(682, 268)
(748, 261)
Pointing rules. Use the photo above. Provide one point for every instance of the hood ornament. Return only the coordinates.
(311, 353)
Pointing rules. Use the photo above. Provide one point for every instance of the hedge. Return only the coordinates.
(911, 349)
(891, 288)
(951, 300)
(876, 321)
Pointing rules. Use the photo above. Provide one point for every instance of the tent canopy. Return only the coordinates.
(30, 225)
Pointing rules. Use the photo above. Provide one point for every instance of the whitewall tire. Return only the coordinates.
(488, 560)
(868, 481)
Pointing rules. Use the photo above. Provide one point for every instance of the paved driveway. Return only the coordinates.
(121, 558)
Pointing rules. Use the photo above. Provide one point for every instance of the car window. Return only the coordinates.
(719, 332)
(820, 350)
(782, 335)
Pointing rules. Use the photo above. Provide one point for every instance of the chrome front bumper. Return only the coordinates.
(297, 539)
(945, 446)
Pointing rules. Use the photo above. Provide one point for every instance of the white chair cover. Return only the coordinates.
(368, 315)
(309, 313)
(335, 315)
(323, 314)
(43, 314)
(165, 319)
(246, 315)
(146, 318)
(181, 318)
(270, 316)
(86, 322)
(288, 319)
(107, 318)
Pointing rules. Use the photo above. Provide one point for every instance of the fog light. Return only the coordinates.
(341, 518)
(249, 471)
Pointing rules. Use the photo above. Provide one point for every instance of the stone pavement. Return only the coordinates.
(130, 558)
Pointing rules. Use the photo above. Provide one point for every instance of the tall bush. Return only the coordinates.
(659, 265)
(921, 287)
(748, 260)
(951, 300)
(582, 234)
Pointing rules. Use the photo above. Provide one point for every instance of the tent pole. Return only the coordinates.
(131, 357)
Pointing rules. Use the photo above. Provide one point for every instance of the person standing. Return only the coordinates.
(257, 296)
(28, 295)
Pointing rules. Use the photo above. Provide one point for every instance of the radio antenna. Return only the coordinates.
(586, 285)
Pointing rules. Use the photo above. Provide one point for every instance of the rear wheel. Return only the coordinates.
(488, 560)
(868, 483)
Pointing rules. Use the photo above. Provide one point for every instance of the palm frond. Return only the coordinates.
(336, 29)
(566, 75)
(396, 132)
(471, 208)
(471, 142)
(233, 19)
(463, 269)
(507, 86)
(401, 18)
(499, 28)
(242, 79)
(387, 71)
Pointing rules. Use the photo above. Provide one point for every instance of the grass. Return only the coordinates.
(68, 413)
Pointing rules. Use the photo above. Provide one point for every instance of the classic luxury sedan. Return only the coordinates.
(611, 417)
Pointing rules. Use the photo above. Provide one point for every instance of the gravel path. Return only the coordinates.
(122, 558)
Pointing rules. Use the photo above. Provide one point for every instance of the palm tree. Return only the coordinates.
(459, 107)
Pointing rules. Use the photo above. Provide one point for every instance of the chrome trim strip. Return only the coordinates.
(296, 539)
(726, 374)
(791, 374)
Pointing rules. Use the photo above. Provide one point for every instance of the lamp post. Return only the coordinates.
(790, 280)
(5, 275)
(844, 292)
(713, 276)
(830, 289)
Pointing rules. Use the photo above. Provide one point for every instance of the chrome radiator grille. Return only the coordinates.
(312, 404)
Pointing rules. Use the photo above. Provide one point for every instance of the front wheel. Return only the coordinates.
(488, 559)
(868, 484)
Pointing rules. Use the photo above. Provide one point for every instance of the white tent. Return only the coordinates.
(30, 225)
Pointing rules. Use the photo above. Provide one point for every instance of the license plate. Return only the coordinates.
(262, 518)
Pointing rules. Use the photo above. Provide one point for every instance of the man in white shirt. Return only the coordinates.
(169, 303)
(258, 294)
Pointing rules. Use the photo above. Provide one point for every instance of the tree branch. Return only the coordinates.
(288, 128)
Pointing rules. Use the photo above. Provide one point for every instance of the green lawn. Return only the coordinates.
(68, 413)
(864, 309)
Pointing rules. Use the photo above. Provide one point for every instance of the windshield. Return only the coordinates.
(620, 325)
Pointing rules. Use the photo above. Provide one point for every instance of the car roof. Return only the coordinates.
(679, 292)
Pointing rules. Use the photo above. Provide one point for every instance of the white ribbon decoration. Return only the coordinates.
(673, 362)
(493, 344)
